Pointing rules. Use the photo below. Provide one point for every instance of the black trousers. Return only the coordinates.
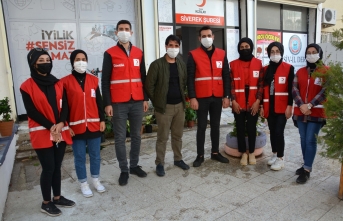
(212, 105)
(51, 160)
(246, 122)
(276, 124)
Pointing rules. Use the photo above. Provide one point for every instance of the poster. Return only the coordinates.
(232, 39)
(295, 47)
(264, 38)
(163, 32)
(199, 12)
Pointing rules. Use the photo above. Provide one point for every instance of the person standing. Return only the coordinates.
(86, 120)
(123, 76)
(246, 94)
(47, 110)
(166, 85)
(208, 83)
(309, 116)
(277, 101)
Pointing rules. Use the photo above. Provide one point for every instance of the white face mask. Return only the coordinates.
(80, 66)
(207, 42)
(312, 58)
(124, 36)
(275, 58)
(173, 52)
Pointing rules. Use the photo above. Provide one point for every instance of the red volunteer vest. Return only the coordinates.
(208, 73)
(239, 80)
(39, 135)
(280, 91)
(312, 86)
(83, 109)
(126, 76)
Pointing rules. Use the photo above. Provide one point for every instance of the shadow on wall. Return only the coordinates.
(330, 54)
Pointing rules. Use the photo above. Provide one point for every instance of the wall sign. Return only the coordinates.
(295, 47)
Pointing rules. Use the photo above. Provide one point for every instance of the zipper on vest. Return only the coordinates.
(84, 106)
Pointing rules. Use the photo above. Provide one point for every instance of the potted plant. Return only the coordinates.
(148, 121)
(190, 116)
(6, 124)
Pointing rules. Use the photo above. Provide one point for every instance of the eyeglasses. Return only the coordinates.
(39, 49)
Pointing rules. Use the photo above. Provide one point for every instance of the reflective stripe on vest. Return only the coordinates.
(83, 121)
(281, 93)
(239, 90)
(208, 78)
(43, 128)
(265, 100)
(126, 81)
(253, 88)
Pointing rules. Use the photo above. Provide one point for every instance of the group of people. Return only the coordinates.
(72, 110)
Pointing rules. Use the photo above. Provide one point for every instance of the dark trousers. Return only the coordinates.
(246, 122)
(276, 124)
(212, 105)
(51, 161)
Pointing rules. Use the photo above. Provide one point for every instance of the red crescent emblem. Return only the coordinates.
(202, 4)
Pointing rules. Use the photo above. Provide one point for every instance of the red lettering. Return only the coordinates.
(45, 44)
(60, 45)
(65, 56)
(71, 44)
(56, 56)
(38, 44)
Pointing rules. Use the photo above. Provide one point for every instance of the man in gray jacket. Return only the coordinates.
(165, 85)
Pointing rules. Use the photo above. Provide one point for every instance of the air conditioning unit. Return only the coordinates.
(329, 16)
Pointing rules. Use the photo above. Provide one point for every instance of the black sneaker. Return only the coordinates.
(181, 164)
(63, 202)
(50, 209)
(299, 171)
(124, 176)
(160, 170)
(198, 161)
(303, 177)
(138, 171)
(219, 158)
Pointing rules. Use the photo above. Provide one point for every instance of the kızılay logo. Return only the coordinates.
(201, 10)
(202, 4)
(294, 44)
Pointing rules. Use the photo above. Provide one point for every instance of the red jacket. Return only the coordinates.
(126, 76)
(239, 81)
(208, 73)
(83, 109)
(311, 86)
(281, 90)
(39, 135)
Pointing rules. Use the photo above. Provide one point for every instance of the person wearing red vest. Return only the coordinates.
(47, 110)
(309, 96)
(86, 120)
(208, 84)
(123, 78)
(246, 94)
(277, 101)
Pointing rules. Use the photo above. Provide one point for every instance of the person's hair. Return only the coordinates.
(123, 22)
(206, 27)
(172, 38)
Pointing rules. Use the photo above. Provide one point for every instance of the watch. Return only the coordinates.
(309, 106)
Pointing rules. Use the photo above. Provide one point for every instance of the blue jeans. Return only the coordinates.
(308, 132)
(132, 111)
(79, 149)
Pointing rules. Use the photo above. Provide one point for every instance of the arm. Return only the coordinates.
(226, 77)
(191, 76)
(295, 92)
(319, 98)
(65, 108)
(100, 105)
(290, 86)
(106, 79)
(151, 80)
(143, 76)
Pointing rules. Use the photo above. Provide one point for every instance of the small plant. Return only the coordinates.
(190, 114)
(149, 119)
(5, 109)
(108, 125)
(259, 124)
(128, 126)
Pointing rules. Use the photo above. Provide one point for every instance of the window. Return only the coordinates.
(294, 18)
(268, 15)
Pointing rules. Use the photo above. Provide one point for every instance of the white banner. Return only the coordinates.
(232, 39)
(163, 32)
(295, 47)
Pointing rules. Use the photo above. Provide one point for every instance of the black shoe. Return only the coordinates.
(219, 158)
(303, 177)
(198, 161)
(181, 164)
(63, 202)
(50, 209)
(138, 171)
(124, 176)
(299, 171)
(160, 170)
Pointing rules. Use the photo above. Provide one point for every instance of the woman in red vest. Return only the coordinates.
(47, 110)
(86, 120)
(246, 94)
(277, 101)
(309, 116)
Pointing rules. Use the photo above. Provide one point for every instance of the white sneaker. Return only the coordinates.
(278, 164)
(86, 191)
(98, 186)
(272, 159)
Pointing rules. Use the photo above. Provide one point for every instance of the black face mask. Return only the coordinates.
(245, 54)
(44, 68)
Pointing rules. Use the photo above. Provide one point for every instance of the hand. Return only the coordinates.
(308, 112)
(262, 112)
(102, 126)
(226, 102)
(288, 112)
(194, 104)
(254, 108)
(145, 106)
(52, 129)
(304, 108)
(57, 128)
(235, 107)
(109, 110)
(56, 137)
(71, 132)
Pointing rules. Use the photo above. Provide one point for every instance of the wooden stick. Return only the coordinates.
(340, 191)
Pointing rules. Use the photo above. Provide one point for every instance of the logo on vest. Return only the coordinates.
(237, 79)
(118, 65)
(282, 80)
(318, 81)
(219, 64)
(135, 62)
(255, 74)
